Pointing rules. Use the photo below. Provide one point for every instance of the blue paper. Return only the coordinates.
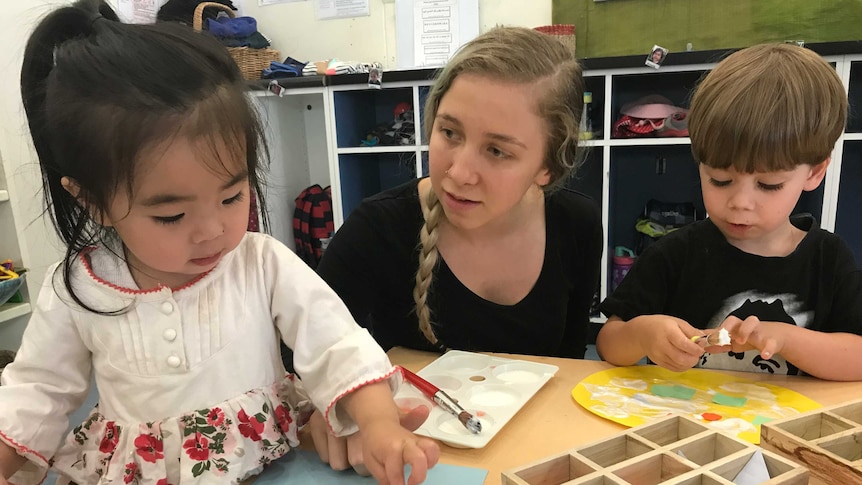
(300, 466)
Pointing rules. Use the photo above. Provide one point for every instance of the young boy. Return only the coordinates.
(763, 124)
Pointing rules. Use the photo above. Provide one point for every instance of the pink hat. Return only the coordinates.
(653, 106)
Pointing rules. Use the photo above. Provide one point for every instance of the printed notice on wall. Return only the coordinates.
(138, 11)
(265, 3)
(339, 9)
(436, 31)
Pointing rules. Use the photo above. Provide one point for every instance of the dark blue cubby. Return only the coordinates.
(854, 124)
(588, 178)
(423, 97)
(596, 85)
(675, 86)
(424, 163)
(363, 175)
(665, 172)
(358, 112)
(850, 199)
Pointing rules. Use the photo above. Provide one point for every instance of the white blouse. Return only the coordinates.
(168, 353)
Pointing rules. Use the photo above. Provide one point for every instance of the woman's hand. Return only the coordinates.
(344, 452)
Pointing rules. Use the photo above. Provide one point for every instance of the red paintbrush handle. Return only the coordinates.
(426, 387)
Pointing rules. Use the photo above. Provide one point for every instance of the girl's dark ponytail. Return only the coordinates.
(59, 26)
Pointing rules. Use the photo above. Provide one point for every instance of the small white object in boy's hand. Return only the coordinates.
(722, 337)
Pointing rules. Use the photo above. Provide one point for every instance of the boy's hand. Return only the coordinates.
(668, 342)
(751, 333)
(344, 452)
(388, 447)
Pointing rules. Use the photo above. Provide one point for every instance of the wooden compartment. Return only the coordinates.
(827, 441)
(560, 469)
(708, 449)
(788, 472)
(615, 450)
(674, 450)
(653, 470)
(670, 430)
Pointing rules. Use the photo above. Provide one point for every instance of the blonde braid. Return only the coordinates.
(427, 261)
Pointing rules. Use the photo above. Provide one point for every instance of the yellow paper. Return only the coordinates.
(622, 394)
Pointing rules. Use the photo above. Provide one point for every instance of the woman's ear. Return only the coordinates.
(815, 176)
(543, 178)
(75, 191)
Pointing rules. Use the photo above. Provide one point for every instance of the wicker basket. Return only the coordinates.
(565, 33)
(251, 62)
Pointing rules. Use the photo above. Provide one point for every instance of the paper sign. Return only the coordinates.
(338, 9)
(138, 11)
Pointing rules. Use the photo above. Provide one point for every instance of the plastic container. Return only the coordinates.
(623, 260)
(491, 388)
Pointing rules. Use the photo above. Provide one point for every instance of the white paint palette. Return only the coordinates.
(492, 388)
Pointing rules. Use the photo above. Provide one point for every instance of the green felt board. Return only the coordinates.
(725, 400)
(627, 27)
(676, 391)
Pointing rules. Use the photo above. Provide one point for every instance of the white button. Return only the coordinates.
(167, 308)
(170, 334)
(174, 361)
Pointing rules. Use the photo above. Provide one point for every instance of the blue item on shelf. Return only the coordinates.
(9, 287)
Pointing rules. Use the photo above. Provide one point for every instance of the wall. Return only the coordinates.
(623, 27)
(37, 246)
(295, 32)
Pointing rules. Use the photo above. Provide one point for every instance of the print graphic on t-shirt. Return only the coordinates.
(786, 308)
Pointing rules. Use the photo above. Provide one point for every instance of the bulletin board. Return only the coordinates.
(628, 27)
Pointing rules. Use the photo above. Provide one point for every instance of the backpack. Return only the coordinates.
(312, 222)
(661, 218)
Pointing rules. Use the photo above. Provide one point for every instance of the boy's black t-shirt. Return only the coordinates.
(696, 275)
(371, 263)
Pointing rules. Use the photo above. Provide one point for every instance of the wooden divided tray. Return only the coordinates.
(828, 441)
(673, 450)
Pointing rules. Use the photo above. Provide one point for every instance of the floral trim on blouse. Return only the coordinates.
(225, 443)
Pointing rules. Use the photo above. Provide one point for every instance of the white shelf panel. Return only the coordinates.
(600, 319)
(370, 150)
(8, 311)
(628, 142)
(853, 136)
(4, 195)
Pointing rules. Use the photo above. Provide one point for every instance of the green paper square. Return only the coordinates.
(758, 420)
(731, 401)
(676, 391)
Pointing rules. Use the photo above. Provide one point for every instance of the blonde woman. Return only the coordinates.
(488, 253)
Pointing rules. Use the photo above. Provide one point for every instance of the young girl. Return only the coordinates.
(149, 153)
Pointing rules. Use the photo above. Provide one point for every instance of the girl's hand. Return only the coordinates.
(387, 447)
(341, 453)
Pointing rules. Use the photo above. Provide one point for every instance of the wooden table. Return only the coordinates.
(552, 422)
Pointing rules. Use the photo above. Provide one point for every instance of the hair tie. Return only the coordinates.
(93, 18)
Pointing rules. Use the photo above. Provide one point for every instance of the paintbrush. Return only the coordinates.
(443, 400)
